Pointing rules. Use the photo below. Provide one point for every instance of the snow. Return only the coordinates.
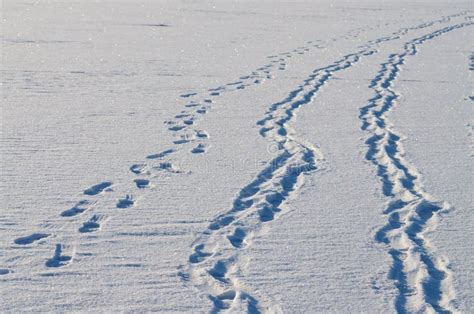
(236, 156)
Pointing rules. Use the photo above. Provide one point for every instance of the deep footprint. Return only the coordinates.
(142, 183)
(168, 167)
(93, 224)
(126, 202)
(31, 238)
(162, 154)
(200, 149)
(176, 128)
(58, 259)
(198, 255)
(138, 168)
(98, 188)
(77, 209)
(188, 95)
(237, 238)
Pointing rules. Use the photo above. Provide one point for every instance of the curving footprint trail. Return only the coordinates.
(213, 265)
(422, 277)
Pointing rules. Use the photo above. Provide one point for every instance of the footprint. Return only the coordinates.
(98, 188)
(93, 224)
(200, 149)
(198, 255)
(31, 238)
(234, 83)
(138, 168)
(219, 271)
(221, 222)
(162, 154)
(188, 122)
(5, 271)
(237, 238)
(125, 202)
(214, 94)
(202, 134)
(220, 88)
(182, 115)
(180, 142)
(209, 101)
(176, 128)
(201, 111)
(58, 259)
(267, 214)
(79, 208)
(188, 95)
(168, 167)
(191, 104)
(224, 301)
(185, 138)
(142, 183)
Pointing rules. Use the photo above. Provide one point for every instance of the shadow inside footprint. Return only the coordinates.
(125, 202)
(93, 224)
(77, 209)
(237, 238)
(142, 183)
(162, 154)
(98, 188)
(31, 238)
(200, 149)
(58, 260)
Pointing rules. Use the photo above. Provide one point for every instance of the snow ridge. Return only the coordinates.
(422, 277)
(214, 265)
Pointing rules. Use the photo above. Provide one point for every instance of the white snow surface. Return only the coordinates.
(237, 156)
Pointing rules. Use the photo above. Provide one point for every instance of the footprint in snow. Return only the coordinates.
(168, 167)
(189, 121)
(139, 168)
(79, 208)
(126, 202)
(201, 111)
(93, 224)
(188, 95)
(98, 188)
(182, 115)
(59, 259)
(202, 134)
(200, 149)
(30, 238)
(176, 128)
(162, 154)
(142, 183)
(185, 138)
(191, 104)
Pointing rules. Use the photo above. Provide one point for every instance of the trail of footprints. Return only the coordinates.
(185, 131)
(422, 277)
(215, 251)
(213, 265)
